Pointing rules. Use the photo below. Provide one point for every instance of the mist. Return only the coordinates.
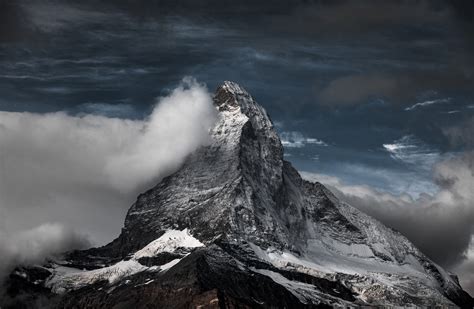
(66, 181)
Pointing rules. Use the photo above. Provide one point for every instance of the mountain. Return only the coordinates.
(237, 227)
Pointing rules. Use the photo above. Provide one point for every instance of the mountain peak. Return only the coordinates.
(243, 163)
(228, 96)
(236, 225)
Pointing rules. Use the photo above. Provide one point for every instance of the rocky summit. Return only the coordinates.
(237, 227)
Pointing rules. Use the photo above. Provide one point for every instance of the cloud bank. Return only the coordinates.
(31, 246)
(84, 171)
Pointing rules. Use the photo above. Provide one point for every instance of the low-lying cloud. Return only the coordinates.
(33, 245)
(84, 171)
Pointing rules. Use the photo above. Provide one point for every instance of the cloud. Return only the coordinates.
(11, 27)
(400, 88)
(353, 89)
(294, 139)
(85, 171)
(427, 103)
(36, 244)
(414, 31)
(29, 19)
(359, 17)
(176, 127)
(441, 224)
(410, 150)
(51, 16)
(467, 269)
(461, 135)
(120, 110)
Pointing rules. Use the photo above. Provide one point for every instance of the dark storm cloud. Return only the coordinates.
(334, 12)
(427, 46)
(461, 134)
(330, 18)
(301, 16)
(12, 22)
(358, 88)
(33, 20)
(214, 8)
(400, 88)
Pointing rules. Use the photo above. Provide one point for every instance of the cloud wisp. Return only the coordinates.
(410, 150)
(427, 103)
(84, 171)
(295, 139)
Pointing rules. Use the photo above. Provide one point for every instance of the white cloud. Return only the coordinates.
(427, 103)
(176, 127)
(397, 181)
(295, 139)
(411, 150)
(34, 245)
(85, 171)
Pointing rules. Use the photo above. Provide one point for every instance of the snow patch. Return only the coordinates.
(66, 278)
(169, 264)
(169, 242)
(302, 291)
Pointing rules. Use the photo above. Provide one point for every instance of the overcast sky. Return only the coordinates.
(376, 98)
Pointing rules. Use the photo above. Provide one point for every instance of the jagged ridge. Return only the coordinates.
(271, 238)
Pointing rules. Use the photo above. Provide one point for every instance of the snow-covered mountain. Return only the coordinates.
(237, 226)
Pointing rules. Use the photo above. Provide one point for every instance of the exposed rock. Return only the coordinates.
(237, 226)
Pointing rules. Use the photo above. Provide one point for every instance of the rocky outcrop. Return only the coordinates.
(236, 226)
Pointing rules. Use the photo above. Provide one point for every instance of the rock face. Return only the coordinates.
(237, 226)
